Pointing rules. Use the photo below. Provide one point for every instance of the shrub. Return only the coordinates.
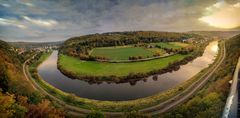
(95, 114)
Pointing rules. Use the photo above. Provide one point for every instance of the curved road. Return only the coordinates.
(187, 93)
(25, 73)
(157, 109)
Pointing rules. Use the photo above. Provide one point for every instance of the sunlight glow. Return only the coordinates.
(214, 48)
(222, 15)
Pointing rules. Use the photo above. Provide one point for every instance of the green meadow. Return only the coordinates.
(121, 52)
(171, 45)
(94, 68)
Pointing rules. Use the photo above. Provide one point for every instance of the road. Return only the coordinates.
(25, 73)
(157, 109)
(187, 93)
(75, 110)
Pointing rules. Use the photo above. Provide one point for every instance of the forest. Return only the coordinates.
(82, 45)
(17, 97)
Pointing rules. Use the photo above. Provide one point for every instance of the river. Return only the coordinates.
(125, 91)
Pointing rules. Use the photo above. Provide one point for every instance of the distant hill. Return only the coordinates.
(34, 44)
(220, 34)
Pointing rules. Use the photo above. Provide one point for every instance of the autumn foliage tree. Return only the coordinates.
(44, 110)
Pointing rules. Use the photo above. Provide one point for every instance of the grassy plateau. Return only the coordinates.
(95, 68)
(76, 67)
(121, 52)
(173, 45)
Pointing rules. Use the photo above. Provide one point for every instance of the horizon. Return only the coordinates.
(113, 32)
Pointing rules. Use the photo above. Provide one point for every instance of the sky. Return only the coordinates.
(57, 20)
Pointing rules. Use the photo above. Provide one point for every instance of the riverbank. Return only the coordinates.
(98, 72)
(116, 72)
(117, 106)
(215, 91)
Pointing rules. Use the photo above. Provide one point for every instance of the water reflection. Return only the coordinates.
(125, 91)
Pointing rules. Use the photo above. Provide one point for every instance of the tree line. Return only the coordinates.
(80, 46)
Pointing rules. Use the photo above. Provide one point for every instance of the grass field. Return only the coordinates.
(124, 52)
(94, 68)
(121, 53)
(157, 50)
(173, 45)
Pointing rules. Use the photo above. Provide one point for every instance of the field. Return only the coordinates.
(157, 50)
(122, 52)
(173, 45)
(94, 68)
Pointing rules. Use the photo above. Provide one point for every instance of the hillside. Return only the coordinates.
(210, 100)
(219, 34)
(82, 44)
(34, 44)
(12, 78)
(17, 97)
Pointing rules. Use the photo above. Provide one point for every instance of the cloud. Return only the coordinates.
(237, 5)
(27, 3)
(222, 15)
(53, 20)
(5, 5)
(9, 22)
(41, 22)
(169, 16)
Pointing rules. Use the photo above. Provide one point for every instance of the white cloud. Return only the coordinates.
(9, 22)
(5, 5)
(219, 4)
(27, 3)
(40, 22)
(222, 15)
